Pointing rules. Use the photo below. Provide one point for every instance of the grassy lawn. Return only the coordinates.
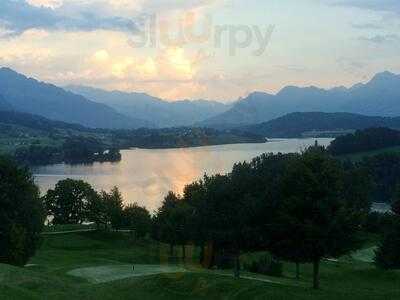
(63, 267)
(69, 227)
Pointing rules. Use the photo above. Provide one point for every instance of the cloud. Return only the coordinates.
(377, 5)
(45, 3)
(17, 16)
(380, 39)
(366, 26)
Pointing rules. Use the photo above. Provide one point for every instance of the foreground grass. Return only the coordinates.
(47, 276)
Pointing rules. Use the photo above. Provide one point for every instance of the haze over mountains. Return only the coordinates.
(155, 110)
(379, 97)
(31, 96)
(97, 108)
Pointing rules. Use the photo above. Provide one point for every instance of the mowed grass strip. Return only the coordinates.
(109, 273)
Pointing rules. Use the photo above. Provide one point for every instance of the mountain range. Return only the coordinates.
(378, 97)
(154, 110)
(28, 95)
(4, 105)
(97, 108)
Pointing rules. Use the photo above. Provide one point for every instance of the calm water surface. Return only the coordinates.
(145, 176)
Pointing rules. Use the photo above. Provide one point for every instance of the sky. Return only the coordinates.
(200, 49)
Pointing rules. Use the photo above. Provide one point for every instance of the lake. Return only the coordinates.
(145, 176)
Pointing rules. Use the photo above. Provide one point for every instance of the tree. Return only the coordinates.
(385, 171)
(219, 217)
(114, 205)
(387, 256)
(316, 217)
(396, 201)
(166, 225)
(193, 196)
(78, 149)
(97, 210)
(211, 211)
(228, 213)
(21, 214)
(365, 140)
(68, 202)
(138, 219)
(106, 208)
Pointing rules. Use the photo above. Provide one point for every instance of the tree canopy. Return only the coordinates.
(67, 203)
(21, 214)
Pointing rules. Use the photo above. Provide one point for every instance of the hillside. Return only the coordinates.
(155, 110)
(4, 105)
(299, 124)
(36, 122)
(378, 97)
(31, 96)
(34, 139)
(366, 140)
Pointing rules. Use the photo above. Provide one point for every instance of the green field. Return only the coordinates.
(95, 265)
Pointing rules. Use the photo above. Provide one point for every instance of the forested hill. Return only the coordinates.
(365, 140)
(33, 139)
(36, 122)
(377, 152)
(301, 124)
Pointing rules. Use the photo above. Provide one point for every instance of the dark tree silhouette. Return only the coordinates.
(138, 219)
(387, 256)
(21, 214)
(316, 217)
(68, 202)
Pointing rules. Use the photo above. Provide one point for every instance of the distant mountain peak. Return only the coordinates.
(5, 71)
(292, 90)
(161, 112)
(258, 93)
(384, 76)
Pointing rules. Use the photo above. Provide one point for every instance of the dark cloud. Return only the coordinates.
(18, 16)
